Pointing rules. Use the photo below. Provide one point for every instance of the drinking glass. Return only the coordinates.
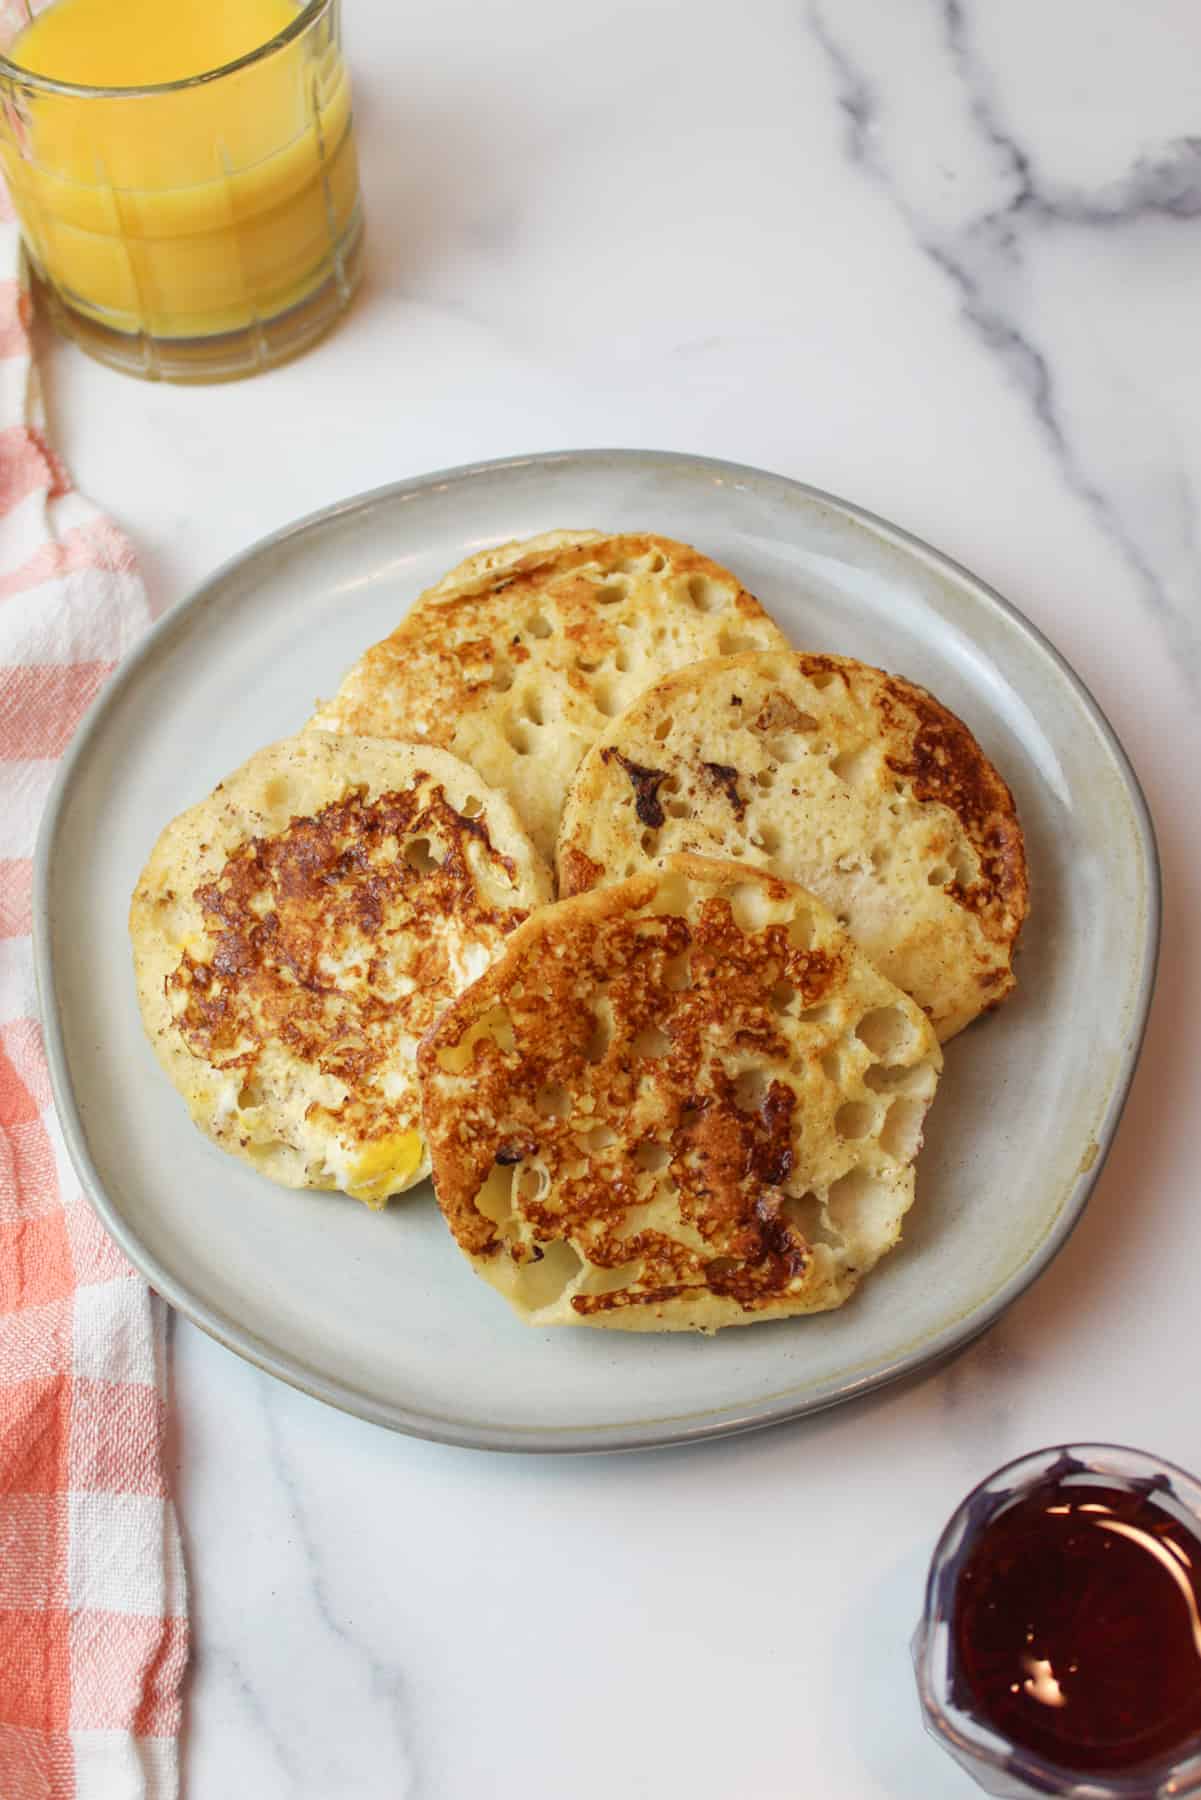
(197, 230)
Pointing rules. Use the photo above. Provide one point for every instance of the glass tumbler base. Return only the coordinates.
(225, 356)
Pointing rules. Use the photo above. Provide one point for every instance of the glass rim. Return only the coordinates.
(1023, 1466)
(22, 77)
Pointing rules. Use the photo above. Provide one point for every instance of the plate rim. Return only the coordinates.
(654, 1433)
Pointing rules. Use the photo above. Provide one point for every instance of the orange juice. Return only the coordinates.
(144, 43)
(188, 211)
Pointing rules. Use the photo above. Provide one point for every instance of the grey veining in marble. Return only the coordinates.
(984, 240)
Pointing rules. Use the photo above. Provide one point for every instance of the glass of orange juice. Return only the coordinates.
(185, 176)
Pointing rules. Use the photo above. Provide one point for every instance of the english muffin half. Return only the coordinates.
(296, 933)
(682, 1102)
(518, 659)
(853, 782)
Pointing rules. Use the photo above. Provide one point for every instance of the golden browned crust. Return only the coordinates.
(943, 764)
(296, 932)
(299, 933)
(665, 1080)
(518, 660)
(856, 783)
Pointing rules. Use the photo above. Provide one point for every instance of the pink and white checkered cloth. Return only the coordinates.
(93, 1628)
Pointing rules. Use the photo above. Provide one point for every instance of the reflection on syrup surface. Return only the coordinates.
(1076, 1623)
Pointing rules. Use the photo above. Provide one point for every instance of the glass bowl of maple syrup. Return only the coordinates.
(1059, 1652)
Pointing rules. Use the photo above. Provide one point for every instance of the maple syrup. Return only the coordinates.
(1076, 1622)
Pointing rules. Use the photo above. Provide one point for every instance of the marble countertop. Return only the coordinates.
(940, 257)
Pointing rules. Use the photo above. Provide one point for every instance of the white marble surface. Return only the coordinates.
(942, 257)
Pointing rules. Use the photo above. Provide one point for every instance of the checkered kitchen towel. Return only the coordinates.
(93, 1632)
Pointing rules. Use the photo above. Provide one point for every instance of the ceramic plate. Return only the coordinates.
(378, 1313)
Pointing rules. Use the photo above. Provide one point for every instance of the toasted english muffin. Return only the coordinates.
(853, 782)
(682, 1102)
(518, 659)
(296, 933)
